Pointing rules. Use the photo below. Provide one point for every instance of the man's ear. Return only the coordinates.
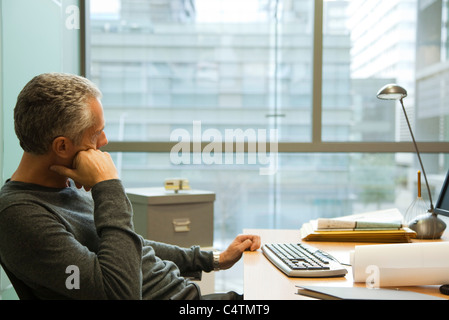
(62, 147)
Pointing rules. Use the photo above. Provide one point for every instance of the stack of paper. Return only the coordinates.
(380, 226)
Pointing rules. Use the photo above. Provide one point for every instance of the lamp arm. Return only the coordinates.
(419, 157)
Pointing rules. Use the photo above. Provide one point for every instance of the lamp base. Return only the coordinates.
(428, 226)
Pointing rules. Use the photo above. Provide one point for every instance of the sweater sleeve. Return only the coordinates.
(120, 250)
(187, 259)
(38, 246)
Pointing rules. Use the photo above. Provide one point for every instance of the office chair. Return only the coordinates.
(22, 290)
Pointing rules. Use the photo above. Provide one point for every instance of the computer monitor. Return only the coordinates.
(442, 205)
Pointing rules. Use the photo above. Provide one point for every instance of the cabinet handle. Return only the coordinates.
(181, 225)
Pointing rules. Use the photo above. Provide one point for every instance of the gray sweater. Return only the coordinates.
(51, 238)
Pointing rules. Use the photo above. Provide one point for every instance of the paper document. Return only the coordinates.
(410, 264)
(337, 224)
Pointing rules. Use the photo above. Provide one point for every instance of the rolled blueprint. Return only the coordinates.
(405, 264)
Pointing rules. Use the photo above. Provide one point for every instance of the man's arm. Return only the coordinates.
(44, 252)
(193, 259)
(115, 270)
(186, 259)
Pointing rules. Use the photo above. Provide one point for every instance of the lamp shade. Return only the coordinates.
(392, 92)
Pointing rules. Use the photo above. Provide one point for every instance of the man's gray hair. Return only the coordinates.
(53, 105)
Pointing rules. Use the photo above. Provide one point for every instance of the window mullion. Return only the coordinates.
(317, 60)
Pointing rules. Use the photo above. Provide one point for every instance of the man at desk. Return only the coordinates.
(52, 231)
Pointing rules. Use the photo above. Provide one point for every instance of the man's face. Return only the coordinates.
(94, 137)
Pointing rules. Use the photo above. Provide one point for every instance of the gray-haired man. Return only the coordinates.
(66, 209)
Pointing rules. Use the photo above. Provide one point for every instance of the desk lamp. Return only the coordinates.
(427, 225)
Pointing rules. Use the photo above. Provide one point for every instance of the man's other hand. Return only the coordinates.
(235, 250)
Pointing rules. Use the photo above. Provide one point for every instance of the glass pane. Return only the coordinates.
(162, 65)
(305, 187)
(368, 44)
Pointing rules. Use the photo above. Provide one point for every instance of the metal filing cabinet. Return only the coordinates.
(184, 218)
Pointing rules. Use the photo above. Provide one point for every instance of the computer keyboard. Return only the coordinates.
(302, 260)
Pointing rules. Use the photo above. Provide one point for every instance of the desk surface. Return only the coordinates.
(263, 281)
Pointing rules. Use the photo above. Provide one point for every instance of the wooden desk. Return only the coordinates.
(263, 281)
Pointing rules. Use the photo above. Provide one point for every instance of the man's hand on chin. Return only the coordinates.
(89, 168)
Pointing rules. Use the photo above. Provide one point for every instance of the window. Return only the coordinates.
(306, 71)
